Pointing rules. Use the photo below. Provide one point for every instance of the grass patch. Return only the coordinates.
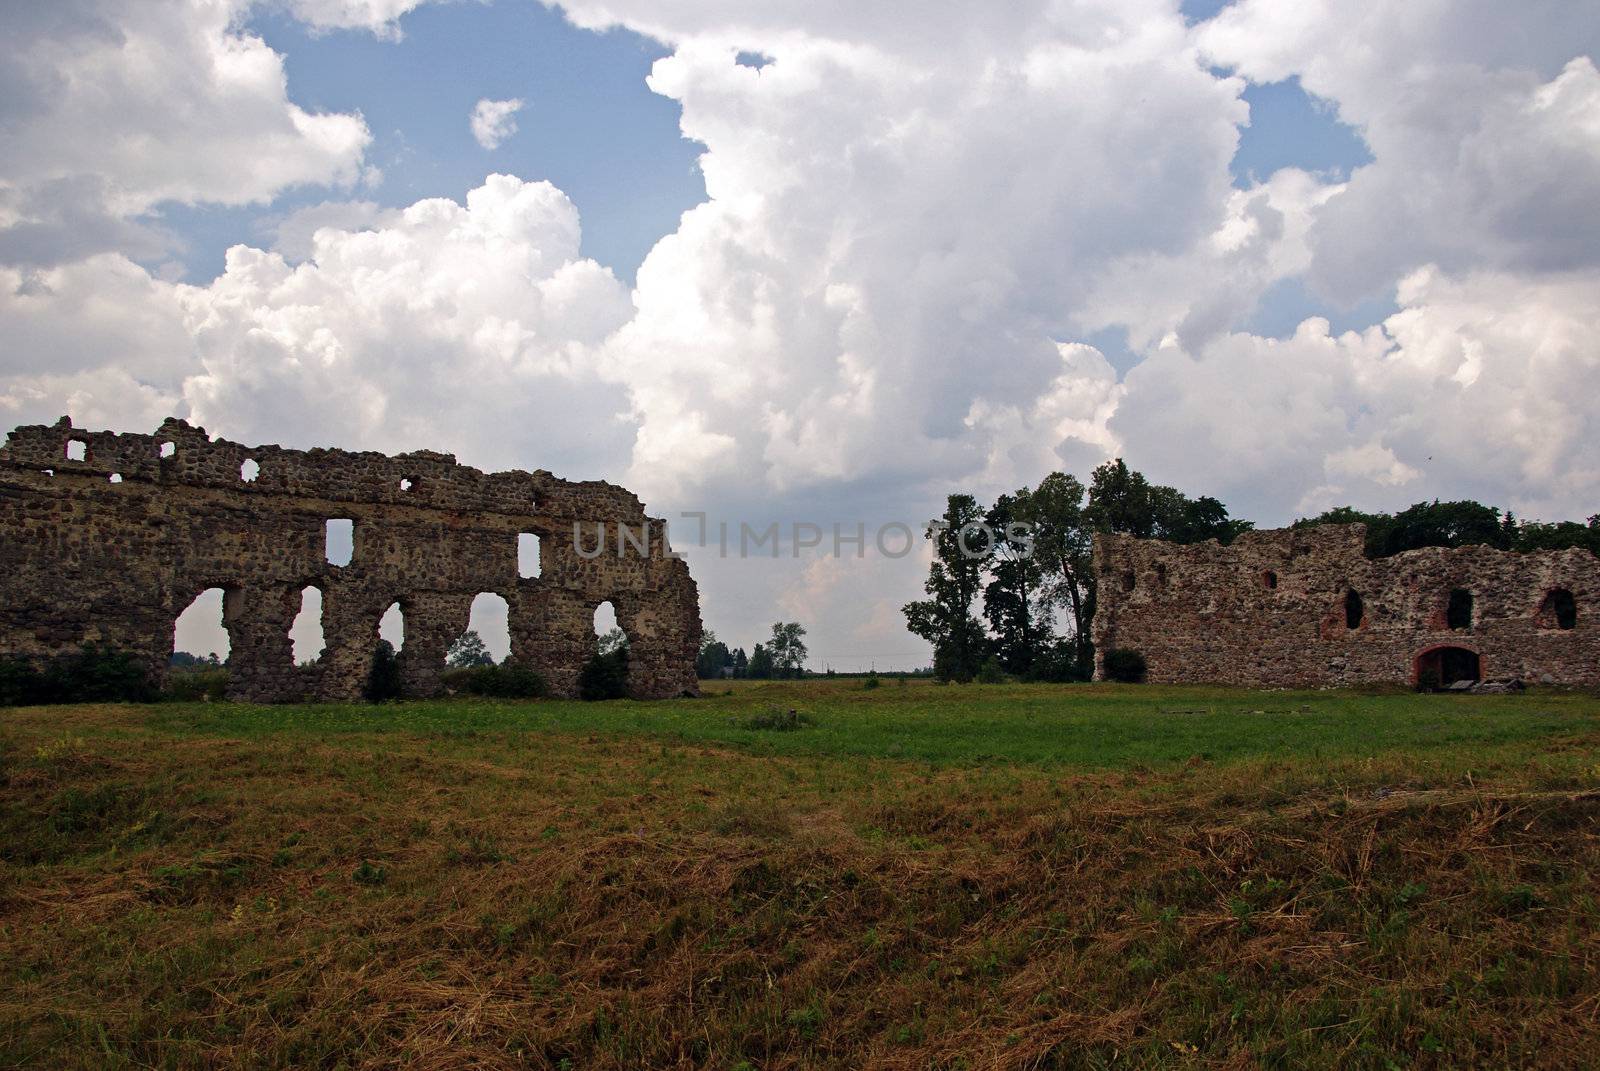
(1011, 876)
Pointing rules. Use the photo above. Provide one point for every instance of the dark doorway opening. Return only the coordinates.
(1443, 666)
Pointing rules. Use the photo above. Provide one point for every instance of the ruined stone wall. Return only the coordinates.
(112, 548)
(1275, 609)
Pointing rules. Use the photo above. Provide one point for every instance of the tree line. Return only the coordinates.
(783, 656)
(1012, 589)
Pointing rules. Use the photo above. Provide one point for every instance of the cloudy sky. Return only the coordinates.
(820, 260)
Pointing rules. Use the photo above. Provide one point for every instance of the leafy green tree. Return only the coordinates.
(1063, 546)
(1425, 524)
(1120, 500)
(1016, 576)
(760, 664)
(741, 663)
(1532, 535)
(713, 657)
(787, 649)
(945, 618)
(613, 640)
(383, 679)
(605, 676)
(468, 650)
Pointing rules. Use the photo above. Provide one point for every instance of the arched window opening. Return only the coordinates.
(1269, 580)
(1354, 609)
(200, 632)
(606, 628)
(339, 541)
(487, 640)
(1458, 613)
(249, 470)
(168, 450)
(1161, 576)
(77, 450)
(407, 483)
(1129, 581)
(1560, 610)
(116, 477)
(392, 627)
(528, 564)
(305, 633)
(1444, 666)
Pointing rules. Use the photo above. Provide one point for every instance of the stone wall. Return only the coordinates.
(113, 547)
(1307, 607)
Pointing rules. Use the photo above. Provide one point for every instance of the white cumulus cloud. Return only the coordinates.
(493, 121)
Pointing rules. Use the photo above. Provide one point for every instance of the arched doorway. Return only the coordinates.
(1447, 665)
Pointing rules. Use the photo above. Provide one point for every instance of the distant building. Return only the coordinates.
(1308, 608)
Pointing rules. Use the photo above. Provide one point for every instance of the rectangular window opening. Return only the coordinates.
(528, 564)
(339, 541)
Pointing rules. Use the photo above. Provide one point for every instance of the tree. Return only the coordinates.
(788, 649)
(1425, 524)
(713, 657)
(945, 618)
(1063, 545)
(613, 640)
(383, 679)
(760, 664)
(1008, 598)
(741, 663)
(468, 650)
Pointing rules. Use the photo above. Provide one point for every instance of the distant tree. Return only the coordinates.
(1425, 524)
(468, 650)
(741, 663)
(383, 678)
(945, 618)
(1015, 579)
(605, 676)
(713, 657)
(1063, 546)
(760, 664)
(1120, 500)
(787, 649)
(1532, 535)
(613, 640)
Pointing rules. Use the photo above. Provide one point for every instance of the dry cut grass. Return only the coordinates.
(553, 896)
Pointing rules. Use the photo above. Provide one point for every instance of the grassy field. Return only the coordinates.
(916, 876)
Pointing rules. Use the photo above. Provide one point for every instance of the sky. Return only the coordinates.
(822, 263)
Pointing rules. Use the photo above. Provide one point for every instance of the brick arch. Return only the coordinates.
(1452, 661)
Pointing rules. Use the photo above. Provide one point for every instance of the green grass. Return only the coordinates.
(1100, 726)
(1007, 877)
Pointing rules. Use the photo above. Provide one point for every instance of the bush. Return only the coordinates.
(776, 719)
(1125, 665)
(383, 680)
(605, 676)
(871, 682)
(94, 675)
(496, 682)
(991, 673)
(196, 685)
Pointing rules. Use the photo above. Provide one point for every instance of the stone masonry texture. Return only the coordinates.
(1308, 608)
(110, 549)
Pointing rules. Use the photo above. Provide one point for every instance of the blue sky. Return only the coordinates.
(589, 125)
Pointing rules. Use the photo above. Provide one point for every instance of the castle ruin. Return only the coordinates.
(1307, 608)
(106, 538)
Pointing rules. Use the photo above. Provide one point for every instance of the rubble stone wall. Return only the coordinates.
(112, 548)
(1275, 608)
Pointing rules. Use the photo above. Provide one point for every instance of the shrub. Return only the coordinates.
(383, 680)
(195, 685)
(991, 673)
(1125, 665)
(605, 676)
(871, 682)
(776, 719)
(497, 682)
(93, 675)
